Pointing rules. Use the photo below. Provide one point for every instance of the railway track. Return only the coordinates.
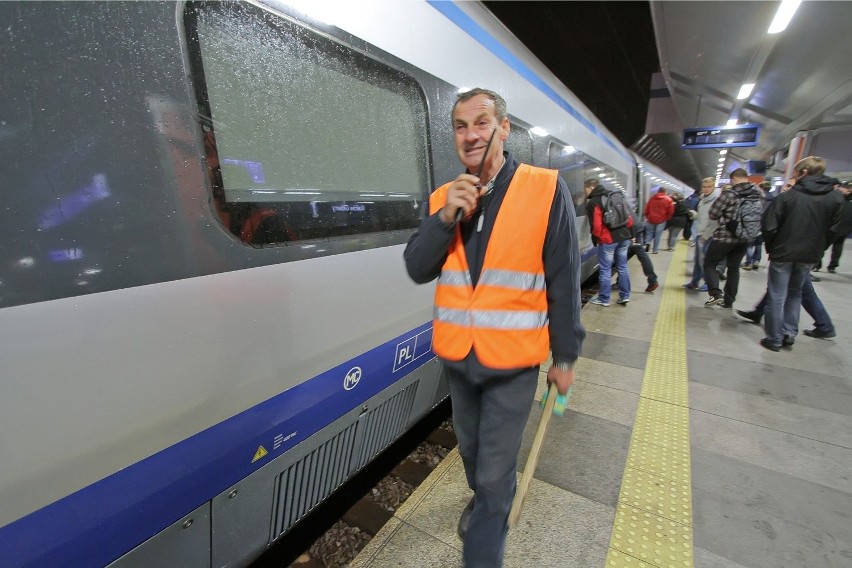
(333, 534)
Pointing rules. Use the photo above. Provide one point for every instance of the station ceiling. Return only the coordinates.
(607, 52)
(802, 79)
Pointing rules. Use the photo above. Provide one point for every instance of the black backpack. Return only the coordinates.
(746, 222)
(616, 210)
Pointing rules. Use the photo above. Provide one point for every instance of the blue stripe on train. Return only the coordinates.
(474, 30)
(98, 523)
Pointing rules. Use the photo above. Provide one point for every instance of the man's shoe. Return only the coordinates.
(726, 305)
(755, 266)
(623, 300)
(752, 316)
(832, 270)
(714, 300)
(598, 302)
(819, 334)
(816, 279)
(464, 520)
(703, 288)
(765, 343)
(788, 341)
(746, 267)
(652, 287)
(691, 286)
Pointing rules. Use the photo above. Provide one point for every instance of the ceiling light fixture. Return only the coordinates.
(783, 16)
(745, 91)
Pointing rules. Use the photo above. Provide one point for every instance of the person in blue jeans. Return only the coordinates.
(658, 210)
(797, 226)
(823, 326)
(612, 243)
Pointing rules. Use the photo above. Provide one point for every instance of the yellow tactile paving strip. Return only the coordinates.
(653, 519)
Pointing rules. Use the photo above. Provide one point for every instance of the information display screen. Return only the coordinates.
(721, 136)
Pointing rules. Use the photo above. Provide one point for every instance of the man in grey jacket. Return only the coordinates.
(703, 228)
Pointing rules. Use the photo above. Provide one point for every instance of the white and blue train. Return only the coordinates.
(206, 325)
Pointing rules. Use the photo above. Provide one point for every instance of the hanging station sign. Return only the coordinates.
(721, 136)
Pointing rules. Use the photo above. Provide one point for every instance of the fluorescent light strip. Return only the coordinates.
(745, 91)
(783, 16)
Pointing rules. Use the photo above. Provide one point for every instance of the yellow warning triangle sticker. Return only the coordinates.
(261, 451)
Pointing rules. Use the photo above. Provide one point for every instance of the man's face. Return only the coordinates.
(474, 120)
(706, 188)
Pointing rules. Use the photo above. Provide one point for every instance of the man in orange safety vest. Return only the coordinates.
(501, 240)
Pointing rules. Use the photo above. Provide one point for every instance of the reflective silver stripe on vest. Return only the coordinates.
(512, 279)
(454, 278)
(492, 319)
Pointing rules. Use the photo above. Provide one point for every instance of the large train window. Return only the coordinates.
(305, 138)
(519, 144)
(570, 161)
(575, 167)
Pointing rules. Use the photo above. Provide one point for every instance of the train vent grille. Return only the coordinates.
(310, 480)
(385, 423)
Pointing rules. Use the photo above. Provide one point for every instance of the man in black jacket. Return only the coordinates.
(796, 228)
(837, 245)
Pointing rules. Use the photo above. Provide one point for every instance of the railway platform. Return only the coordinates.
(685, 443)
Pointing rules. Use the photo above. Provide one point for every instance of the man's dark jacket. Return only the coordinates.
(801, 222)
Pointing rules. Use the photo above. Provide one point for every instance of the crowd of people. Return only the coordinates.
(729, 228)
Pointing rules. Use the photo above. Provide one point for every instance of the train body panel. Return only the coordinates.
(202, 284)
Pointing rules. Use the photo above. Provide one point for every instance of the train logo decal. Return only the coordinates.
(352, 378)
(412, 349)
(261, 451)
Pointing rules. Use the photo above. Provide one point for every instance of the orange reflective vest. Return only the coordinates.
(504, 319)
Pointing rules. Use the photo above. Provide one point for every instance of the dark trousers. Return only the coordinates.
(732, 254)
(490, 410)
(836, 251)
(645, 261)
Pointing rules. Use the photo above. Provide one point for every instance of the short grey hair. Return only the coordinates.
(499, 102)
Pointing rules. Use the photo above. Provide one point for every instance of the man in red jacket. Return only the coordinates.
(658, 211)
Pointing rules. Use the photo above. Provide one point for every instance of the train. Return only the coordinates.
(206, 326)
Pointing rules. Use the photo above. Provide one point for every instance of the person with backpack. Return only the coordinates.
(738, 212)
(753, 252)
(796, 228)
(610, 221)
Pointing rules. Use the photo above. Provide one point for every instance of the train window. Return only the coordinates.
(570, 162)
(305, 138)
(575, 168)
(519, 144)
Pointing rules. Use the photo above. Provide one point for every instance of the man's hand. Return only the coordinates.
(563, 379)
(462, 194)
